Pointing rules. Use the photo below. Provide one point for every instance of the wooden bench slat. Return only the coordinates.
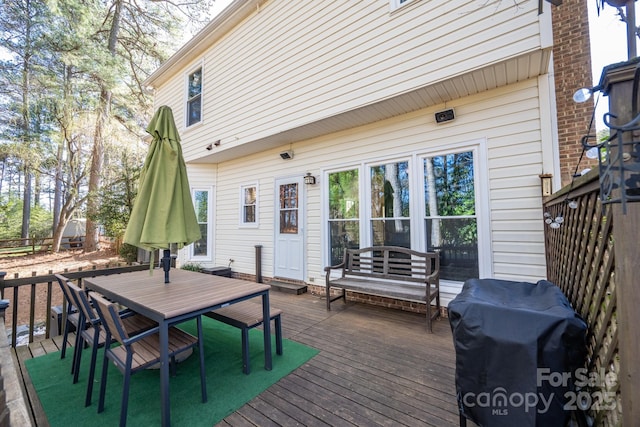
(389, 271)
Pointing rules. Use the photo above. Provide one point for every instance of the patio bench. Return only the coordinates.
(389, 271)
(245, 316)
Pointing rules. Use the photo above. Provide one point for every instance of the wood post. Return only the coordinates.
(626, 230)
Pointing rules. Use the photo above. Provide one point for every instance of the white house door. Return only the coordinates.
(289, 236)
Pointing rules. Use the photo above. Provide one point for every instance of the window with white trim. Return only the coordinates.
(451, 224)
(425, 202)
(194, 97)
(201, 249)
(389, 195)
(344, 213)
(249, 205)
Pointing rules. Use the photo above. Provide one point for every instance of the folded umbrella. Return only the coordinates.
(163, 211)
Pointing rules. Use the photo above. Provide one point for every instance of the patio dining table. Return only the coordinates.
(189, 295)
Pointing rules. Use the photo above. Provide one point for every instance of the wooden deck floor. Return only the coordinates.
(376, 366)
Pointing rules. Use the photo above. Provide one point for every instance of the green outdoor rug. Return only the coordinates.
(227, 387)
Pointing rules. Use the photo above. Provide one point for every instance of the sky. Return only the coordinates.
(608, 46)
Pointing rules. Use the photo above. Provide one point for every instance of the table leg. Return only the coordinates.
(164, 375)
(266, 327)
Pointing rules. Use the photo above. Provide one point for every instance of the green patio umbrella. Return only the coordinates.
(163, 211)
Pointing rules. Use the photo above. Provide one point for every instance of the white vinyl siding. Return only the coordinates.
(293, 63)
(395, 4)
(502, 123)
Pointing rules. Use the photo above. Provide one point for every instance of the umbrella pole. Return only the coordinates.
(166, 264)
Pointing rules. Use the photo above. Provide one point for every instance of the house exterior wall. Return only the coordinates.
(290, 64)
(506, 124)
(294, 64)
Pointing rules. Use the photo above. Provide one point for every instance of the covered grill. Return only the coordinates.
(518, 346)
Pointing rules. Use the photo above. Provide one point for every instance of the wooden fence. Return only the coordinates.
(49, 281)
(581, 261)
(40, 245)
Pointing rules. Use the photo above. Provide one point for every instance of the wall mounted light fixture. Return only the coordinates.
(545, 182)
(287, 155)
(309, 179)
(209, 147)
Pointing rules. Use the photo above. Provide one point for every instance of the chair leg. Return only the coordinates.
(246, 367)
(92, 371)
(125, 397)
(278, 322)
(76, 347)
(77, 356)
(103, 381)
(65, 337)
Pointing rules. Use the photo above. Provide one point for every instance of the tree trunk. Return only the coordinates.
(104, 111)
(97, 158)
(26, 138)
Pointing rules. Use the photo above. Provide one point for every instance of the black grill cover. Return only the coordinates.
(503, 331)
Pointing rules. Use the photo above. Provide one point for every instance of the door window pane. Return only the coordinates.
(450, 214)
(289, 209)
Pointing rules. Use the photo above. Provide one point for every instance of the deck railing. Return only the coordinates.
(10, 289)
(581, 261)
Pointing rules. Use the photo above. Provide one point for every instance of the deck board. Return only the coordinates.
(376, 366)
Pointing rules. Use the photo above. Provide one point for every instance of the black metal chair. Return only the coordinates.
(72, 320)
(91, 332)
(140, 351)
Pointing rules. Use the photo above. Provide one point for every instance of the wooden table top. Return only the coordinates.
(187, 291)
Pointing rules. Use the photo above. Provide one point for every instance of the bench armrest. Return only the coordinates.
(333, 267)
(433, 278)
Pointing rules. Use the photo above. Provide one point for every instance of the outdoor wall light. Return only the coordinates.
(287, 155)
(545, 182)
(309, 179)
(210, 146)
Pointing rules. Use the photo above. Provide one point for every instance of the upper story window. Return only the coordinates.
(194, 97)
(249, 205)
(395, 4)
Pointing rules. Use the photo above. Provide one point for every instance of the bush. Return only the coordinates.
(192, 266)
(129, 252)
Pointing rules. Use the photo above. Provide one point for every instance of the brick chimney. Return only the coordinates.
(572, 70)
